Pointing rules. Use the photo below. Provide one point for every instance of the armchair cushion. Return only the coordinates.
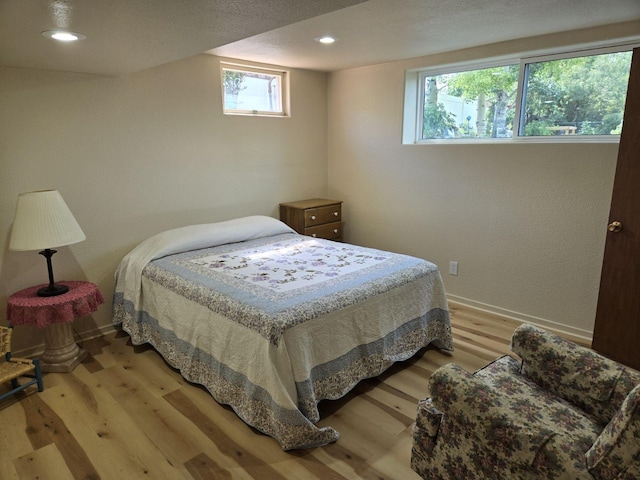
(616, 452)
(577, 374)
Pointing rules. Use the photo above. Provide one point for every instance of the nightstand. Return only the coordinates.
(55, 314)
(315, 217)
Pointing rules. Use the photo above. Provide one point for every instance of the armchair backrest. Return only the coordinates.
(588, 380)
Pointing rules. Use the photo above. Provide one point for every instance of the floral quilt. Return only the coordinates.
(290, 264)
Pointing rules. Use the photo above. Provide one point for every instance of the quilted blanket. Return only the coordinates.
(272, 322)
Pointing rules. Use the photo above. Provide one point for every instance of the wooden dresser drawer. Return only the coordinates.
(322, 215)
(316, 217)
(330, 231)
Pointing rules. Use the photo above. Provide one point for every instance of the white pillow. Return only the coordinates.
(193, 237)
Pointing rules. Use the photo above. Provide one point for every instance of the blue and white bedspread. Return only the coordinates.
(272, 322)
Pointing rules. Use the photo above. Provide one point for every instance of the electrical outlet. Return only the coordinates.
(453, 268)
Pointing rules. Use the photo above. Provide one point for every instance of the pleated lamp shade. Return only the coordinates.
(43, 220)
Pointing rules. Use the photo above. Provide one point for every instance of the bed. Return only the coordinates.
(272, 322)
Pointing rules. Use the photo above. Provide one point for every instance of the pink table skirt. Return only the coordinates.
(27, 308)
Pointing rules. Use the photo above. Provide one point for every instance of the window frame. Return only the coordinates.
(283, 75)
(415, 82)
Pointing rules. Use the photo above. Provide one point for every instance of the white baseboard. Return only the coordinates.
(584, 335)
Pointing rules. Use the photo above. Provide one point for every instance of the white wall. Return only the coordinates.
(526, 222)
(139, 154)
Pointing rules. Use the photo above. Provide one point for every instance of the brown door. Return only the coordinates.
(617, 327)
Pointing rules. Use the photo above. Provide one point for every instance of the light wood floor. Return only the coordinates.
(124, 414)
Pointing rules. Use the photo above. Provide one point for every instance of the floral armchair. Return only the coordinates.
(562, 412)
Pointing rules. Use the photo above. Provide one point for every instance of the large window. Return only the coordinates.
(254, 91)
(577, 96)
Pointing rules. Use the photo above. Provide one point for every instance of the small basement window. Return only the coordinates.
(254, 91)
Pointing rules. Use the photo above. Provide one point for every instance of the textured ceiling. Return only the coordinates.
(378, 31)
(125, 36)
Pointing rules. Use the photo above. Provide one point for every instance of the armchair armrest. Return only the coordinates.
(575, 373)
(425, 433)
(428, 419)
(475, 413)
(616, 452)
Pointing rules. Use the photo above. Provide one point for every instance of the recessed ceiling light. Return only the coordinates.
(64, 35)
(327, 40)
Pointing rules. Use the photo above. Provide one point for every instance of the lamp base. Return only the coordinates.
(52, 290)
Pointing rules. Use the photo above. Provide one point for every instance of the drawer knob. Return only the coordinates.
(313, 235)
(335, 230)
(313, 217)
(335, 214)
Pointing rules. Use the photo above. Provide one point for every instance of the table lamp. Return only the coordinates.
(43, 221)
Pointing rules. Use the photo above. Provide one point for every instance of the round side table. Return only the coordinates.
(55, 314)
